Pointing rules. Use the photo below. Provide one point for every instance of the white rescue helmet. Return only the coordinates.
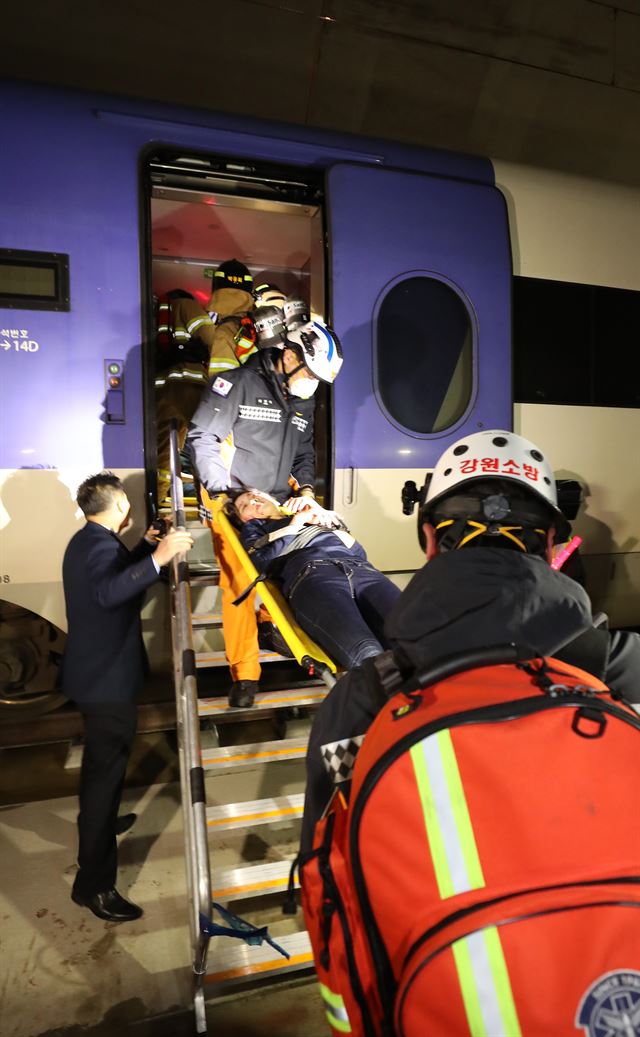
(296, 313)
(268, 295)
(270, 327)
(496, 454)
(320, 349)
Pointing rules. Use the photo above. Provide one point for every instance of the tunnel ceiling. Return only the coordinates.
(552, 83)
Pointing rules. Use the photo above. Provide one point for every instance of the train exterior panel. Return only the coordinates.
(401, 227)
(569, 229)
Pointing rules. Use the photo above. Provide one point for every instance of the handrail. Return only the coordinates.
(188, 729)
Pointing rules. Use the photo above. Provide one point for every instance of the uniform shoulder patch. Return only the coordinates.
(221, 386)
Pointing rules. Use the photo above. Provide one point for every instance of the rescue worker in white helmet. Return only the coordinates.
(271, 329)
(254, 425)
(296, 312)
(488, 522)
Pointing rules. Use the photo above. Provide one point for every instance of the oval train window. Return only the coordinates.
(424, 357)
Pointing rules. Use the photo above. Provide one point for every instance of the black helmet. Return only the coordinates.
(232, 274)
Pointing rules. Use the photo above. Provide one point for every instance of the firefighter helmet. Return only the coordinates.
(232, 274)
(268, 295)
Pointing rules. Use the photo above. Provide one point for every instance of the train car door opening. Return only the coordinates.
(202, 211)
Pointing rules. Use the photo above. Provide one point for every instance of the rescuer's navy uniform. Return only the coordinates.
(247, 429)
(247, 432)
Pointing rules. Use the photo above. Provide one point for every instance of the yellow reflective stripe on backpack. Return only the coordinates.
(479, 958)
(336, 1012)
(444, 805)
(485, 985)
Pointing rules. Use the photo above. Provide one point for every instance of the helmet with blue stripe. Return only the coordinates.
(320, 349)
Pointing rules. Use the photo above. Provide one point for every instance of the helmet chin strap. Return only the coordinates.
(287, 375)
(290, 374)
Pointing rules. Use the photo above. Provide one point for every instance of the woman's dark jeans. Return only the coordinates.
(342, 606)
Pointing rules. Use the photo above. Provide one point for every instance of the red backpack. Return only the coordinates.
(484, 878)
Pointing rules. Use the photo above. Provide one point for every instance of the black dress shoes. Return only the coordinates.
(242, 694)
(124, 823)
(109, 905)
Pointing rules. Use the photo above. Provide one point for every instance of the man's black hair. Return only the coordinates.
(96, 493)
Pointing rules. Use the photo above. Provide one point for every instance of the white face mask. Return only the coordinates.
(303, 387)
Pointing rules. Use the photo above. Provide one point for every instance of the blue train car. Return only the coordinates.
(406, 251)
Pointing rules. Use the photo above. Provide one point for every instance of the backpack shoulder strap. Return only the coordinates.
(589, 651)
(384, 678)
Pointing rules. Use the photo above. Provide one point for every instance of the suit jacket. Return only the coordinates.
(104, 584)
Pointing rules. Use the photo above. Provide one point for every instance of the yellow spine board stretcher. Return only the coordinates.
(299, 643)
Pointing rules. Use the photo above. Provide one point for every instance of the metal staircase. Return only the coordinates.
(241, 812)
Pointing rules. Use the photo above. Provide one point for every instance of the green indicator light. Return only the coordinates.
(114, 368)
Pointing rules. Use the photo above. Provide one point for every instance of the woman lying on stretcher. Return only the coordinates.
(336, 595)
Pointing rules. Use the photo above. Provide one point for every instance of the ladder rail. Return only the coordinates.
(188, 729)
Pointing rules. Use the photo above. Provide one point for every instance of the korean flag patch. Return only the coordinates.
(222, 386)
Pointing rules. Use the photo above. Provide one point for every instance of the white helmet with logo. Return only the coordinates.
(320, 349)
(494, 454)
(270, 327)
(296, 312)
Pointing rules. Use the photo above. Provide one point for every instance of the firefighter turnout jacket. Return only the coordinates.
(232, 337)
(185, 336)
(247, 431)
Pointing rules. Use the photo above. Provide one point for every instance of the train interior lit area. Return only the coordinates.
(204, 211)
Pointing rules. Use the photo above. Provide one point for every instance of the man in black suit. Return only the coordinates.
(102, 672)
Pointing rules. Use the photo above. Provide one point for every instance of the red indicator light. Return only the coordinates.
(114, 382)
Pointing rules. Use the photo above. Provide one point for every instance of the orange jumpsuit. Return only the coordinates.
(238, 621)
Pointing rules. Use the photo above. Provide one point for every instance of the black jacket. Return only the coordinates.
(474, 598)
(325, 545)
(272, 432)
(104, 584)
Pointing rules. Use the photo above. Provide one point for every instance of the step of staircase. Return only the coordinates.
(250, 814)
(233, 756)
(290, 698)
(205, 660)
(206, 619)
(231, 961)
(251, 881)
(204, 575)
